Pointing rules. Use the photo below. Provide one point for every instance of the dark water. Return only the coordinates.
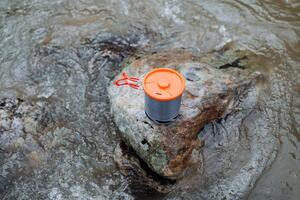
(48, 54)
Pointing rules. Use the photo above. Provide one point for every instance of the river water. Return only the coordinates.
(35, 33)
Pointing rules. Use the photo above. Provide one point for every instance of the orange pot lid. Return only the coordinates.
(164, 84)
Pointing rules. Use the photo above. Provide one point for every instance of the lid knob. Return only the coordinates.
(163, 83)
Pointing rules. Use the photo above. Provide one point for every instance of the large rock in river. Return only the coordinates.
(213, 86)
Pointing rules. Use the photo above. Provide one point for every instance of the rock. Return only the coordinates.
(60, 135)
(213, 87)
(20, 147)
(33, 159)
(140, 176)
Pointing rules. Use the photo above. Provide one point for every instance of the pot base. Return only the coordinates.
(161, 122)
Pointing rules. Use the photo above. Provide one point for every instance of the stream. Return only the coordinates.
(57, 136)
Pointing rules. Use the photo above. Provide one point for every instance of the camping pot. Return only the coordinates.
(163, 90)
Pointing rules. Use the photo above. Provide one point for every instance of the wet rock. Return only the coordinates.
(59, 138)
(19, 119)
(212, 92)
(21, 150)
(139, 175)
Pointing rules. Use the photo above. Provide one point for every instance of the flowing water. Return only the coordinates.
(48, 54)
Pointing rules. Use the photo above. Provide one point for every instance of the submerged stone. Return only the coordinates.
(212, 91)
(56, 134)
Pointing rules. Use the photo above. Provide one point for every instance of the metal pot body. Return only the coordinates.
(162, 111)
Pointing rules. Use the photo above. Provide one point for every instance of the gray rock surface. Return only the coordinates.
(214, 85)
(57, 137)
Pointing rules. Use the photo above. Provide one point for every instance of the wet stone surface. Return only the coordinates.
(22, 139)
(62, 126)
(140, 177)
(219, 86)
(52, 57)
(210, 94)
(63, 129)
